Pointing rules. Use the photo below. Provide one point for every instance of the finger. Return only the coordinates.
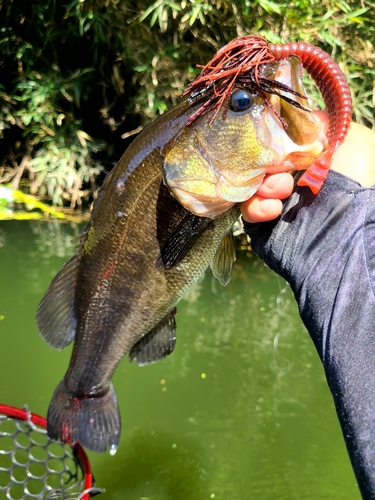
(278, 186)
(259, 209)
(266, 204)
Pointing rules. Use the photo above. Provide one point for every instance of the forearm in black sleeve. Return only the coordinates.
(324, 246)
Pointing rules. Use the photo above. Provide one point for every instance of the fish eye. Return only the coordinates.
(240, 100)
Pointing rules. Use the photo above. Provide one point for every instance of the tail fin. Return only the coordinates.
(92, 421)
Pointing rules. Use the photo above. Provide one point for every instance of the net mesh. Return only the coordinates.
(34, 467)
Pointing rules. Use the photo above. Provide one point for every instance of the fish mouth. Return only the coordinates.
(216, 164)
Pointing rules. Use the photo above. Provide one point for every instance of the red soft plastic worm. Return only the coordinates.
(336, 94)
(239, 63)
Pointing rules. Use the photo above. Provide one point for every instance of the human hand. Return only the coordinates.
(266, 204)
(355, 158)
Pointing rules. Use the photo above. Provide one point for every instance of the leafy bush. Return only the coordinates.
(77, 80)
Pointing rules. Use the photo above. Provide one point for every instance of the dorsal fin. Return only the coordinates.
(55, 316)
(225, 257)
(157, 344)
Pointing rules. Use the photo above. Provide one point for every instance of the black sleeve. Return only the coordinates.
(324, 246)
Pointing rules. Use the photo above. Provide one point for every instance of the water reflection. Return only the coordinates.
(240, 410)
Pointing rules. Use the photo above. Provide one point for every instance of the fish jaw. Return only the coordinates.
(225, 197)
(214, 194)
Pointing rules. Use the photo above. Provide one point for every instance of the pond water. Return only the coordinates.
(239, 411)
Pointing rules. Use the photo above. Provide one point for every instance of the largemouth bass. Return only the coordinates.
(142, 249)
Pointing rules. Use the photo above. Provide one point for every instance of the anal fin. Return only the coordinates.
(224, 259)
(157, 344)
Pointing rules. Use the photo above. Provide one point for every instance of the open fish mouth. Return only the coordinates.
(215, 164)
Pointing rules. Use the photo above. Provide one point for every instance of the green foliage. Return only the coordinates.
(78, 78)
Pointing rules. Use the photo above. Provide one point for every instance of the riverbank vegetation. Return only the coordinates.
(78, 79)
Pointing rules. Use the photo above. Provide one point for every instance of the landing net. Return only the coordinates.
(32, 466)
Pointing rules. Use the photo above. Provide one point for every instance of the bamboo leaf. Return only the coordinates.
(148, 11)
(194, 14)
(270, 7)
(173, 5)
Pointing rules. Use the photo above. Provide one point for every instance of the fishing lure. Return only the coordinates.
(240, 63)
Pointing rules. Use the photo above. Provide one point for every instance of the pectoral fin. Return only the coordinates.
(55, 316)
(182, 239)
(225, 257)
(157, 344)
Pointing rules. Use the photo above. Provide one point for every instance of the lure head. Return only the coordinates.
(214, 164)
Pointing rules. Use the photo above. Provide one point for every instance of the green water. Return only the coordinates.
(239, 411)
